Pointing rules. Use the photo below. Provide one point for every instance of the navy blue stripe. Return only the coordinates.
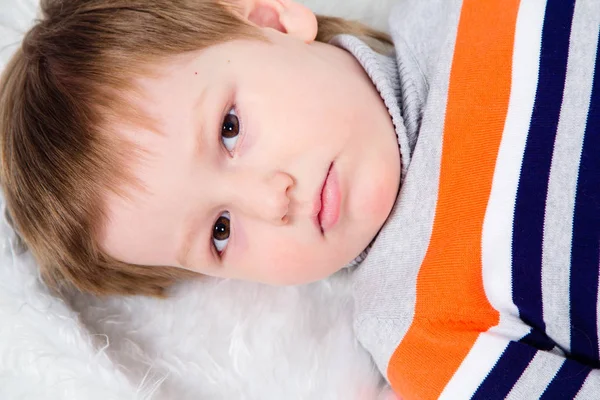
(586, 236)
(507, 371)
(567, 381)
(539, 340)
(535, 170)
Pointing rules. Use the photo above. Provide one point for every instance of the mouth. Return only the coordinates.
(327, 203)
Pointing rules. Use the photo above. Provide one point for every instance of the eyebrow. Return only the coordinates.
(192, 228)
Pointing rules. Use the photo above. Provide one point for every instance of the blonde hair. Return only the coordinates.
(57, 95)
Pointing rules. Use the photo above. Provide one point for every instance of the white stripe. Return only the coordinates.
(536, 377)
(482, 357)
(591, 387)
(498, 223)
(497, 227)
(475, 367)
(562, 184)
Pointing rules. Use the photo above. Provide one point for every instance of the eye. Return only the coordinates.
(221, 231)
(230, 130)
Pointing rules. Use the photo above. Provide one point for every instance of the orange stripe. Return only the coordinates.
(451, 306)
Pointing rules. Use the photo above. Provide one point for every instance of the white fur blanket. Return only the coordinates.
(212, 340)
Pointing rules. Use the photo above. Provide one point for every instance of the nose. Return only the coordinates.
(265, 197)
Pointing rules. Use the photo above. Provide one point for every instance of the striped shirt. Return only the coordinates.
(483, 283)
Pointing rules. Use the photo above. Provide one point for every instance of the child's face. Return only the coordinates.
(248, 133)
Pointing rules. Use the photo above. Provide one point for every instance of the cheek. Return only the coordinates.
(279, 256)
(379, 200)
(241, 238)
(377, 195)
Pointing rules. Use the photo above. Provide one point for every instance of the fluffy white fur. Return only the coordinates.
(211, 340)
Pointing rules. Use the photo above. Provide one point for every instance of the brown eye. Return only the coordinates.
(231, 126)
(230, 131)
(221, 232)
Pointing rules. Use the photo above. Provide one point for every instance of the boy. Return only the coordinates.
(258, 153)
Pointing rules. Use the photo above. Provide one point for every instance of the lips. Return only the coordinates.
(328, 201)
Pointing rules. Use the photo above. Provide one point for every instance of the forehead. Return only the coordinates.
(137, 231)
(138, 215)
(168, 82)
(160, 102)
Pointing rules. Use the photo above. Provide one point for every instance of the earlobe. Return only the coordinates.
(286, 16)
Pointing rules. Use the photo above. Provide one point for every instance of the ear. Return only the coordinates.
(286, 16)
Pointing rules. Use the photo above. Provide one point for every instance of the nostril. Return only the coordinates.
(279, 197)
(286, 181)
(284, 208)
